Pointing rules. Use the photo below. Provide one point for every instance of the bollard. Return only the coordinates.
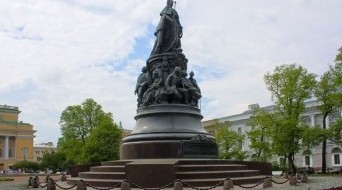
(125, 186)
(305, 178)
(30, 181)
(228, 184)
(178, 185)
(47, 178)
(286, 175)
(267, 183)
(293, 181)
(51, 185)
(298, 176)
(35, 183)
(63, 178)
(81, 185)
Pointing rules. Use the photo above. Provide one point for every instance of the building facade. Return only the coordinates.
(43, 148)
(312, 116)
(16, 137)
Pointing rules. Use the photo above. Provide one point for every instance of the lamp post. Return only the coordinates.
(24, 150)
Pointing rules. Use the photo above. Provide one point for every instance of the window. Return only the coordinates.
(307, 160)
(337, 159)
(10, 153)
(281, 161)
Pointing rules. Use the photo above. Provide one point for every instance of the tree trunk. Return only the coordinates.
(324, 146)
(291, 163)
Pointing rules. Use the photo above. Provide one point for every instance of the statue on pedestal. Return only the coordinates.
(163, 80)
(168, 32)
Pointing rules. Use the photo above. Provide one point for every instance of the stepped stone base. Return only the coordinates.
(155, 173)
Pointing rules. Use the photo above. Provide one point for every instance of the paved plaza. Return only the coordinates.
(315, 183)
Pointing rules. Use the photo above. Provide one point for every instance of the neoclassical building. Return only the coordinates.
(41, 149)
(312, 116)
(16, 137)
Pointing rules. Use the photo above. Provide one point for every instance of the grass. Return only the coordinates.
(6, 179)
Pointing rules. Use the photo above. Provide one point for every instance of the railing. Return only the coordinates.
(227, 184)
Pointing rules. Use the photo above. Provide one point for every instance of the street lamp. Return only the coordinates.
(24, 150)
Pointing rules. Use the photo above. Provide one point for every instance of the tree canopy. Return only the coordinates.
(290, 85)
(82, 126)
(229, 142)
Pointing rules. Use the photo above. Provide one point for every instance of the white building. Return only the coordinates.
(312, 116)
(41, 149)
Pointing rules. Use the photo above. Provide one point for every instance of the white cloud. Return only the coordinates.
(56, 53)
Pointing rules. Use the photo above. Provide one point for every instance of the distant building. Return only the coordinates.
(126, 132)
(312, 116)
(16, 137)
(41, 149)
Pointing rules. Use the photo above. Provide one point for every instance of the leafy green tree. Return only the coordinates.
(326, 93)
(311, 137)
(56, 161)
(229, 142)
(329, 93)
(335, 132)
(290, 85)
(104, 142)
(27, 166)
(260, 134)
(77, 124)
(78, 121)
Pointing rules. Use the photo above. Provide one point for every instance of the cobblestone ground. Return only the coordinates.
(315, 183)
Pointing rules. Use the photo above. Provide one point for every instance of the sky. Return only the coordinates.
(57, 53)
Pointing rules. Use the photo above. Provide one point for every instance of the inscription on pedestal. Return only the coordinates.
(200, 149)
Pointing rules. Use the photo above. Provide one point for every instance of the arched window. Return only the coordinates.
(334, 117)
(336, 155)
(306, 120)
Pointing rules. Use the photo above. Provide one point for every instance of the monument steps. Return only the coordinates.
(217, 167)
(214, 181)
(108, 169)
(216, 174)
(195, 172)
(116, 163)
(102, 175)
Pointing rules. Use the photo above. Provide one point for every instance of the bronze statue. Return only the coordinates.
(175, 86)
(168, 32)
(195, 93)
(143, 83)
(154, 92)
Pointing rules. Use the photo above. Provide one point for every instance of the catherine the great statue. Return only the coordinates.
(168, 32)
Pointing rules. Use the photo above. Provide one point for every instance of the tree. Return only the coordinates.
(328, 93)
(56, 161)
(103, 144)
(229, 142)
(335, 132)
(77, 124)
(78, 121)
(27, 166)
(290, 85)
(260, 134)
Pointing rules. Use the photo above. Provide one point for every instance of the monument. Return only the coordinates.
(168, 141)
(168, 120)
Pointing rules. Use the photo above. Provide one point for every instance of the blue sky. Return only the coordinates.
(56, 53)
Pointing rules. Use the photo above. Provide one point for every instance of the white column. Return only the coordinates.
(6, 147)
(312, 120)
(327, 121)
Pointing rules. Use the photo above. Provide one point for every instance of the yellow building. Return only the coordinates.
(16, 138)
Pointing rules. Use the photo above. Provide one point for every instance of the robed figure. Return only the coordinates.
(168, 32)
